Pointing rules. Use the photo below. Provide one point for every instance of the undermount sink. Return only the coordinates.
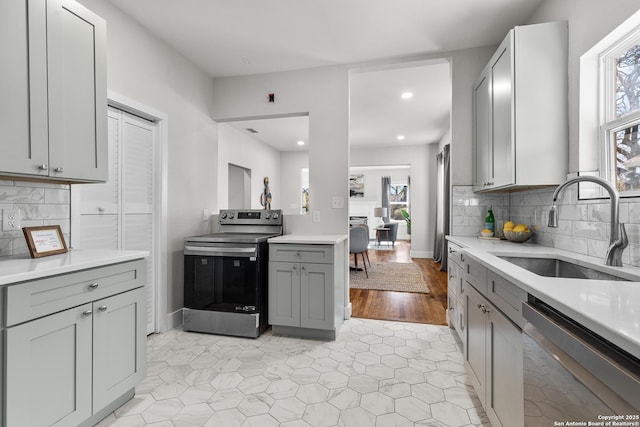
(554, 267)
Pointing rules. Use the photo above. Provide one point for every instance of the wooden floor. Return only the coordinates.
(404, 306)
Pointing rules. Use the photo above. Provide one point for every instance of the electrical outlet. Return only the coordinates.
(315, 216)
(10, 219)
(205, 215)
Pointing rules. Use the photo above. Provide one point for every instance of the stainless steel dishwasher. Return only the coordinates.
(573, 375)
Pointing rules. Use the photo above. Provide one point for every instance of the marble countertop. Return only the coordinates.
(16, 269)
(609, 308)
(310, 239)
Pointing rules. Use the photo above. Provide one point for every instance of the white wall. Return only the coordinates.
(321, 92)
(145, 70)
(589, 21)
(291, 162)
(240, 149)
(422, 160)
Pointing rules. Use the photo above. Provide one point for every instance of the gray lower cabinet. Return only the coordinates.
(455, 291)
(493, 351)
(302, 290)
(72, 367)
(53, 109)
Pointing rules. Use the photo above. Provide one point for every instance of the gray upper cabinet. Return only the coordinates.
(520, 111)
(53, 85)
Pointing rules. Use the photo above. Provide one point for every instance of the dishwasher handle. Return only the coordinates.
(596, 366)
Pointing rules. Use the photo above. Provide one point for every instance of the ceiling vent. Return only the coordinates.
(252, 130)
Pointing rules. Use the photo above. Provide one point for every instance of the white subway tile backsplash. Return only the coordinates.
(583, 224)
(39, 204)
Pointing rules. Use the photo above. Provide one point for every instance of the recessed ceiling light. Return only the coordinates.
(400, 137)
(300, 142)
(407, 95)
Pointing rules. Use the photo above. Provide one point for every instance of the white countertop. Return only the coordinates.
(310, 239)
(609, 308)
(20, 268)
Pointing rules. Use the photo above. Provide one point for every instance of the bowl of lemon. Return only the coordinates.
(518, 233)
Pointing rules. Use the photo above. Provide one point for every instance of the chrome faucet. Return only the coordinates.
(618, 240)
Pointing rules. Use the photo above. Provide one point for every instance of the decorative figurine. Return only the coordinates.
(265, 197)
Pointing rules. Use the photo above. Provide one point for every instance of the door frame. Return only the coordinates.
(161, 317)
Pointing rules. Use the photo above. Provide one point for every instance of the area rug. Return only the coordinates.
(390, 276)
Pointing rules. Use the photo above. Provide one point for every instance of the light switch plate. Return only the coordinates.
(315, 217)
(10, 219)
(337, 202)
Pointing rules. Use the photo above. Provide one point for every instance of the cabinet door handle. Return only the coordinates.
(295, 267)
(58, 169)
(102, 308)
(43, 167)
(94, 285)
(452, 251)
(304, 267)
(87, 313)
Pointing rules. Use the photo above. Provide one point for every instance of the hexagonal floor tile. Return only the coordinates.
(321, 414)
(377, 403)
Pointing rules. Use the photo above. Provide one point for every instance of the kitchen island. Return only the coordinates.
(307, 285)
(72, 335)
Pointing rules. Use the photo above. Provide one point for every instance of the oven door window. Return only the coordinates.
(221, 283)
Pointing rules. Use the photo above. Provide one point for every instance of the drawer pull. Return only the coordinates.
(94, 285)
(452, 251)
(102, 308)
(87, 313)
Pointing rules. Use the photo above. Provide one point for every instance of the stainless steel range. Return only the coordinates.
(226, 274)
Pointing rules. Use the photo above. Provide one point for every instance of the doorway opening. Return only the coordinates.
(399, 117)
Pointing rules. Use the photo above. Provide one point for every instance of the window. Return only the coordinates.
(620, 77)
(398, 201)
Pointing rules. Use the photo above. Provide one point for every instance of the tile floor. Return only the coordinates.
(377, 373)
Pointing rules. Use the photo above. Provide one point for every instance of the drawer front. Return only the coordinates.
(476, 274)
(455, 254)
(506, 296)
(452, 281)
(320, 254)
(37, 298)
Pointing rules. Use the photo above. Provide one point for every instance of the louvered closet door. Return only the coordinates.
(119, 213)
(100, 203)
(137, 195)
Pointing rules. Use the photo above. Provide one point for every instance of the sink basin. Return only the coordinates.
(554, 267)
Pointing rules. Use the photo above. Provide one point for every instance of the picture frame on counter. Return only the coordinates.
(44, 240)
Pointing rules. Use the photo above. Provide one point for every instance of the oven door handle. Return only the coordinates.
(220, 251)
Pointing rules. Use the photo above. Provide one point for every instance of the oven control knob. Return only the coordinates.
(223, 215)
(230, 215)
(267, 215)
(275, 216)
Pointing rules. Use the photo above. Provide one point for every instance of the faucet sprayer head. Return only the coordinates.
(553, 216)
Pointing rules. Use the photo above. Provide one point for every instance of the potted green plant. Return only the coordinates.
(407, 218)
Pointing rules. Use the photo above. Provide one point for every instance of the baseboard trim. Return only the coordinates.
(421, 254)
(347, 311)
(174, 319)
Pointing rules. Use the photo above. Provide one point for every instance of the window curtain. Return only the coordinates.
(386, 186)
(442, 208)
